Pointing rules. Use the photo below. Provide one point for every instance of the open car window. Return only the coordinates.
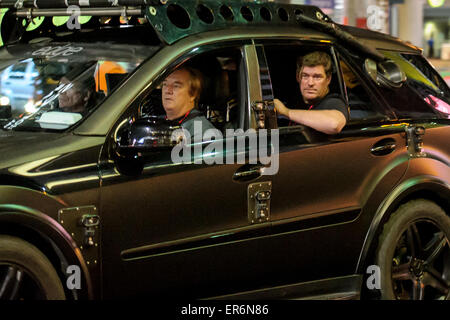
(221, 100)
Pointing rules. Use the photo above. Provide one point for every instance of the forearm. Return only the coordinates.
(326, 121)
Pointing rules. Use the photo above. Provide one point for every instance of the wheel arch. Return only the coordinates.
(51, 238)
(421, 187)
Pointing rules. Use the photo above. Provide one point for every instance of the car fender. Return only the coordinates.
(16, 219)
(424, 176)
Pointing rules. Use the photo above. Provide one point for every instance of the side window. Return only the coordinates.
(20, 69)
(283, 61)
(424, 96)
(362, 105)
(219, 97)
(219, 107)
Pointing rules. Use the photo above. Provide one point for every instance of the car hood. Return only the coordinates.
(17, 147)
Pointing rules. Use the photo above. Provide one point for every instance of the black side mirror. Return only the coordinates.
(144, 136)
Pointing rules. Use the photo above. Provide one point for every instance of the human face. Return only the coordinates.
(71, 99)
(313, 83)
(176, 97)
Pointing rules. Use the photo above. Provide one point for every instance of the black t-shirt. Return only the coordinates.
(332, 102)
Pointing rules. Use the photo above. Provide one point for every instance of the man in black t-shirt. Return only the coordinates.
(325, 112)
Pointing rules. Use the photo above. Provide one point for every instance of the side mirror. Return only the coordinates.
(145, 135)
(386, 74)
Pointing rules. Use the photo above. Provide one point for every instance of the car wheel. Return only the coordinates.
(26, 273)
(413, 253)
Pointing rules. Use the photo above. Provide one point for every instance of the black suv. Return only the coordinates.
(93, 206)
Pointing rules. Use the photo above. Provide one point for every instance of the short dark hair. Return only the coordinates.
(316, 58)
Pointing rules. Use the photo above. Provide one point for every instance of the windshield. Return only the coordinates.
(54, 86)
(425, 94)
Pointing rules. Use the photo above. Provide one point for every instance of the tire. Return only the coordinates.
(26, 273)
(413, 253)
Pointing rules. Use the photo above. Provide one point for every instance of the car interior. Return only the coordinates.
(283, 75)
(219, 98)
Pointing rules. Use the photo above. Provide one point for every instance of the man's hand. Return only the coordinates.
(281, 108)
(326, 121)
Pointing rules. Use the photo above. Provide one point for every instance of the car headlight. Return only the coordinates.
(30, 107)
(4, 101)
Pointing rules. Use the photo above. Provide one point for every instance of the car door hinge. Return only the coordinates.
(414, 141)
(259, 195)
(83, 224)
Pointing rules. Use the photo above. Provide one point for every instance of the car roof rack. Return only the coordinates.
(46, 4)
(173, 20)
(192, 16)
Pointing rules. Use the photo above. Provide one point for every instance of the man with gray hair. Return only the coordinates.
(325, 113)
(180, 94)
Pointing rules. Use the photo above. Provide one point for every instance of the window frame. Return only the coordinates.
(301, 42)
(237, 45)
(338, 53)
(381, 106)
(243, 71)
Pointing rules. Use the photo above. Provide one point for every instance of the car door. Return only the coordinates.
(183, 229)
(324, 182)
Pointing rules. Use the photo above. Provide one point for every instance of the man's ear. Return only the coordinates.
(193, 98)
(328, 80)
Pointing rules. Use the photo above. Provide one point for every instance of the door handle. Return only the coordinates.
(383, 147)
(389, 146)
(248, 172)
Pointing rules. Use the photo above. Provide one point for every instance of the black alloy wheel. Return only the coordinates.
(26, 273)
(17, 284)
(414, 254)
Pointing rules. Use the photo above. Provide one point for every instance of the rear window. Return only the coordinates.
(20, 67)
